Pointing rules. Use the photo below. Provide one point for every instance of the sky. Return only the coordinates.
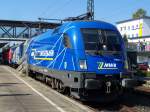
(106, 10)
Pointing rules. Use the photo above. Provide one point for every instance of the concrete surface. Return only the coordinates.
(20, 93)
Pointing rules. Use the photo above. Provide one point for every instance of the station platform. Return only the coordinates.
(19, 93)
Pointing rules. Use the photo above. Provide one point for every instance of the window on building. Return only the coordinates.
(137, 26)
(132, 35)
(132, 27)
(125, 28)
(128, 27)
(66, 41)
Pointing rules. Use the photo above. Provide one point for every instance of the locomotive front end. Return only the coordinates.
(104, 63)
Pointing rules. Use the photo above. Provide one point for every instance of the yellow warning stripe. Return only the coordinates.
(50, 59)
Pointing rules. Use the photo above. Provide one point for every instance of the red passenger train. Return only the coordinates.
(6, 56)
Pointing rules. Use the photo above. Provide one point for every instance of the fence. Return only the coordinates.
(139, 47)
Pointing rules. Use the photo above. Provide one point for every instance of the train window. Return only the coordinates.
(90, 38)
(66, 41)
(101, 40)
(113, 41)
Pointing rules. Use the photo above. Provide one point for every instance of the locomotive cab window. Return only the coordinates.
(98, 40)
(66, 41)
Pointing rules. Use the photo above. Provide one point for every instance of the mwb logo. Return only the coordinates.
(103, 65)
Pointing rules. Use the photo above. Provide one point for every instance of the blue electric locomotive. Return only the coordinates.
(84, 58)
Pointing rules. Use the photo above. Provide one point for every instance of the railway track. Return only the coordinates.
(143, 90)
(115, 107)
(120, 105)
(136, 100)
(111, 107)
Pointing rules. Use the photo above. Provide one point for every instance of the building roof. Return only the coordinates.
(145, 17)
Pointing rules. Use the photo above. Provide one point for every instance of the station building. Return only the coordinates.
(137, 32)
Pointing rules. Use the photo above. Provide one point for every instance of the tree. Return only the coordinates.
(139, 13)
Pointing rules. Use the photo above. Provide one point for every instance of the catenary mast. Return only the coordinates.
(90, 9)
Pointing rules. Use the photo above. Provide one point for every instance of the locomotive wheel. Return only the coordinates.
(59, 86)
(53, 83)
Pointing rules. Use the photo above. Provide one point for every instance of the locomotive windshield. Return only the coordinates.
(96, 40)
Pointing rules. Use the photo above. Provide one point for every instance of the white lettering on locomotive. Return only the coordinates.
(109, 65)
(43, 53)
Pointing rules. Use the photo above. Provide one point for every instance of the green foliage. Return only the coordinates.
(148, 74)
(141, 73)
(139, 13)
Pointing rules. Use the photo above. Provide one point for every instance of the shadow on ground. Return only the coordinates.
(128, 101)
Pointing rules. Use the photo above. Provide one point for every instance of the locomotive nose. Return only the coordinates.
(93, 84)
(104, 65)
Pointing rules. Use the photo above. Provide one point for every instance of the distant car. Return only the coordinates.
(143, 66)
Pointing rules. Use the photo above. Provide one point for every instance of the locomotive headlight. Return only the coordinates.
(126, 65)
(83, 64)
